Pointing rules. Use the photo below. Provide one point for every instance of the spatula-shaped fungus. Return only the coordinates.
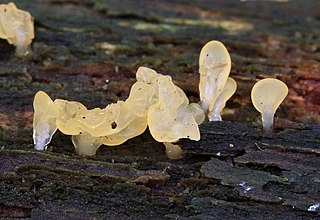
(228, 90)
(16, 26)
(44, 120)
(214, 69)
(266, 96)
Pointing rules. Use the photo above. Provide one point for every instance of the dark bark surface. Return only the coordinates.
(89, 50)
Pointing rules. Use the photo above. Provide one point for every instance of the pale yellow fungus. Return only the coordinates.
(68, 115)
(135, 128)
(145, 74)
(16, 26)
(142, 96)
(171, 117)
(154, 102)
(214, 69)
(85, 144)
(173, 151)
(44, 120)
(228, 90)
(266, 96)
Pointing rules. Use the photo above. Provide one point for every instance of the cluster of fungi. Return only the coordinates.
(154, 100)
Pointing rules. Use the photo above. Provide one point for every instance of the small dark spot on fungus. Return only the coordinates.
(207, 55)
(5, 10)
(84, 117)
(113, 125)
(139, 89)
(80, 132)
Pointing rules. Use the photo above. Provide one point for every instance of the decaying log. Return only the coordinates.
(231, 173)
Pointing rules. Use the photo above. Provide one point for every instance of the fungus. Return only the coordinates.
(44, 120)
(141, 97)
(16, 26)
(135, 128)
(228, 90)
(173, 151)
(266, 96)
(153, 101)
(145, 74)
(171, 117)
(85, 144)
(214, 69)
(68, 115)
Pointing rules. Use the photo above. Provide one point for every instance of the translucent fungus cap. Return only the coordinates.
(69, 113)
(135, 128)
(16, 26)
(44, 120)
(142, 96)
(214, 69)
(171, 117)
(145, 74)
(268, 94)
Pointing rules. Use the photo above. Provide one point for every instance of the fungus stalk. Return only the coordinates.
(267, 122)
(228, 90)
(22, 49)
(85, 144)
(173, 151)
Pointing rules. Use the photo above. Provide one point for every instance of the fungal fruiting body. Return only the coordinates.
(171, 117)
(16, 26)
(154, 102)
(214, 69)
(228, 90)
(44, 121)
(266, 96)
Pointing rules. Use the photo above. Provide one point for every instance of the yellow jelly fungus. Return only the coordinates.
(135, 128)
(171, 117)
(214, 69)
(146, 75)
(154, 102)
(228, 90)
(16, 26)
(44, 121)
(68, 115)
(266, 96)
